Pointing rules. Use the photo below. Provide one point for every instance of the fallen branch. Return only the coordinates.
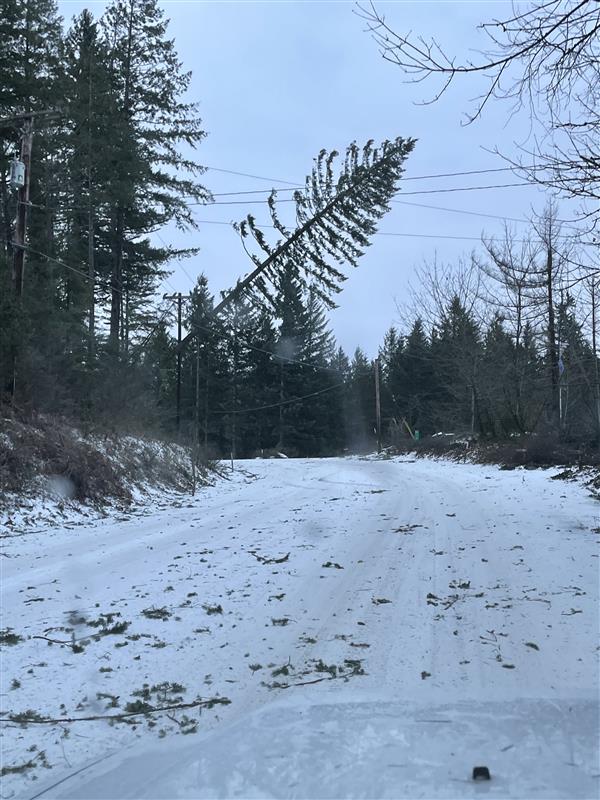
(537, 600)
(264, 560)
(450, 601)
(67, 641)
(316, 680)
(214, 701)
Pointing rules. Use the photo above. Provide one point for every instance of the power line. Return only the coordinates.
(404, 194)
(457, 174)
(153, 330)
(247, 175)
(294, 187)
(406, 178)
(460, 211)
(392, 233)
(57, 261)
(398, 202)
(292, 200)
(104, 285)
(407, 203)
(286, 359)
(465, 189)
(109, 287)
(181, 265)
(100, 284)
(437, 236)
(402, 202)
(281, 402)
(256, 191)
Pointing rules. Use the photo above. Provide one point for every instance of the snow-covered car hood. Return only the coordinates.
(366, 748)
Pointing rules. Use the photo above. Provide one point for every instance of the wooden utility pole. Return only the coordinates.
(178, 418)
(196, 437)
(595, 352)
(553, 350)
(92, 279)
(18, 243)
(177, 296)
(377, 405)
(91, 264)
(22, 208)
(235, 392)
(206, 386)
(25, 122)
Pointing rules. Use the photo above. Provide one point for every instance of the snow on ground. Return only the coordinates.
(379, 627)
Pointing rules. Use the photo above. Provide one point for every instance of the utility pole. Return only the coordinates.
(18, 244)
(178, 418)
(235, 392)
(91, 265)
(595, 352)
(177, 296)
(91, 277)
(377, 405)
(25, 123)
(18, 267)
(560, 368)
(196, 437)
(22, 208)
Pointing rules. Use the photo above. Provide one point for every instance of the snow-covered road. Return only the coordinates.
(378, 626)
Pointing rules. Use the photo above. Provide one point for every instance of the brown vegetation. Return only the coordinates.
(46, 455)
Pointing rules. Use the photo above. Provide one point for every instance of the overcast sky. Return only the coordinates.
(278, 81)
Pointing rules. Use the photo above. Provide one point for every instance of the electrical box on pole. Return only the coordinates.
(17, 174)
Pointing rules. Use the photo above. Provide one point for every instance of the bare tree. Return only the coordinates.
(511, 267)
(545, 59)
(556, 272)
(435, 285)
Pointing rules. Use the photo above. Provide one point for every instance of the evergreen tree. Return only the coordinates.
(576, 371)
(420, 380)
(151, 124)
(206, 375)
(306, 381)
(456, 353)
(85, 131)
(317, 419)
(158, 359)
(292, 315)
(339, 401)
(360, 421)
(392, 383)
(261, 389)
(498, 412)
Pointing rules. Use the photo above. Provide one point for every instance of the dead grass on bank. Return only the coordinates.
(526, 451)
(45, 455)
(576, 462)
